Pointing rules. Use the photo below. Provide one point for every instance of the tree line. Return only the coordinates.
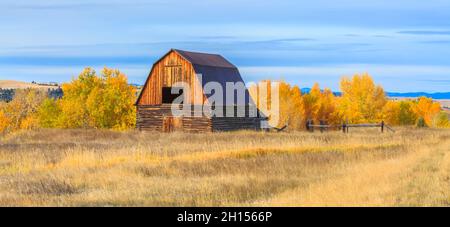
(361, 101)
(106, 101)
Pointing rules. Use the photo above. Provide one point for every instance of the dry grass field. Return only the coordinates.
(12, 84)
(102, 168)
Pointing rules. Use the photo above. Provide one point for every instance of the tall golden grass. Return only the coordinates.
(103, 168)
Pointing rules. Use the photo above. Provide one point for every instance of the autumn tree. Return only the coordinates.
(5, 121)
(326, 107)
(74, 111)
(92, 101)
(290, 106)
(296, 118)
(112, 104)
(427, 109)
(406, 115)
(362, 100)
(399, 112)
(290, 103)
(310, 103)
(21, 111)
(391, 113)
(49, 113)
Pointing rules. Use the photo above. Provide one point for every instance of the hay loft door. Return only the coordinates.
(172, 74)
(168, 97)
(172, 124)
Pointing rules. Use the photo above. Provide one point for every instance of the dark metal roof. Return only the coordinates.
(204, 59)
(223, 76)
(213, 68)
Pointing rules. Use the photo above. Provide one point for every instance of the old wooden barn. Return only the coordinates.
(195, 69)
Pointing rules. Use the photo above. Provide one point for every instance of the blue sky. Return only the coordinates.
(403, 44)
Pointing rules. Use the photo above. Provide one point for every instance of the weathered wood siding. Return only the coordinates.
(151, 118)
(235, 123)
(244, 119)
(169, 70)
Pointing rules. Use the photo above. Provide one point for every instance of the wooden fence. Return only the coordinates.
(310, 126)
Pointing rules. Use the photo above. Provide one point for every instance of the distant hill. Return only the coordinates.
(12, 84)
(439, 95)
(136, 85)
(8, 89)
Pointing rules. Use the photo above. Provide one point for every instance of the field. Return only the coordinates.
(12, 84)
(103, 168)
(444, 103)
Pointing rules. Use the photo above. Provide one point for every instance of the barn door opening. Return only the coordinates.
(172, 124)
(168, 97)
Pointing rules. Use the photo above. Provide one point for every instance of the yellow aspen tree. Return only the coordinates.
(362, 100)
(296, 119)
(326, 110)
(21, 110)
(285, 102)
(391, 113)
(73, 104)
(5, 121)
(427, 109)
(49, 113)
(92, 101)
(310, 102)
(406, 114)
(117, 103)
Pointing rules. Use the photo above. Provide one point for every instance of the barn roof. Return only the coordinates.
(214, 68)
(204, 59)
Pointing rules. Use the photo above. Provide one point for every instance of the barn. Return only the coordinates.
(156, 101)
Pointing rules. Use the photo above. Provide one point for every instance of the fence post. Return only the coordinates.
(382, 126)
(344, 127)
(312, 127)
(347, 126)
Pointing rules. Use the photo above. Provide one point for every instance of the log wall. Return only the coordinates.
(235, 123)
(150, 118)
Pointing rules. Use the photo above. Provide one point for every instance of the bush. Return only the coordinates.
(441, 120)
(421, 123)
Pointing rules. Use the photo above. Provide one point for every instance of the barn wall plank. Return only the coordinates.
(171, 69)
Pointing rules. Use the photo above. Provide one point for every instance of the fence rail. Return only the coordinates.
(310, 126)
